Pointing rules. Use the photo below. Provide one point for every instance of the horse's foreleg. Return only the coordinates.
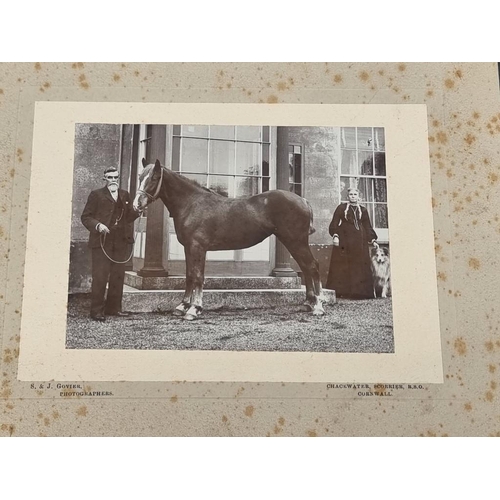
(184, 306)
(197, 275)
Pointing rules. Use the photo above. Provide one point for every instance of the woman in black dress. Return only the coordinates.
(350, 273)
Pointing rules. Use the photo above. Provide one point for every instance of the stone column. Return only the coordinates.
(153, 262)
(282, 267)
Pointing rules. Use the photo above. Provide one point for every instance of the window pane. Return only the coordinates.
(194, 155)
(379, 139)
(365, 138)
(248, 133)
(194, 130)
(220, 184)
(298, 168)
(365, 159)
(265, 184)
(246, 186)
(380, 164)
(199, 178)
(222, 132)
(247, 159)
(221, 157)
(365, 190)
(265, 159)
(348, 136)
(369, 208)
(380, 190)
(265, 134)
(348, 163)
(381, 219)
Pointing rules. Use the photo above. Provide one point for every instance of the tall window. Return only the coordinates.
(231, 160)
(363, 167)
(295, 164)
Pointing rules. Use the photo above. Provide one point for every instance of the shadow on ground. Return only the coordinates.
(348, 326)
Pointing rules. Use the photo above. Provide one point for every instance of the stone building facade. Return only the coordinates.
(318, 163)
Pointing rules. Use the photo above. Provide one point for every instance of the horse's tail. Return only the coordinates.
(311, 219)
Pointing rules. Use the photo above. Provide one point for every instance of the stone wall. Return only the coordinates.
(97, 146)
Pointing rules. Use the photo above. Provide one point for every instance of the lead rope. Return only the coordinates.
(112, 260)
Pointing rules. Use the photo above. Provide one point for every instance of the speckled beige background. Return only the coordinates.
(464, 130)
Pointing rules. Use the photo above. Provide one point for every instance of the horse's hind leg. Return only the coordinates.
(309, 265)
(197, 275)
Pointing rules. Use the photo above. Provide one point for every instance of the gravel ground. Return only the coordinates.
(348, 326)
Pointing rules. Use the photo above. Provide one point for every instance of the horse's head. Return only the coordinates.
(150, 182)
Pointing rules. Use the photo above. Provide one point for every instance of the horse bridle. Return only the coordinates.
(153, 197)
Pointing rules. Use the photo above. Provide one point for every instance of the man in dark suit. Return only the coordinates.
(109, 216)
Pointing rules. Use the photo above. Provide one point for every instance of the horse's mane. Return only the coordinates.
(147, 169)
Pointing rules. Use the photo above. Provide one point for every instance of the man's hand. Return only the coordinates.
(103, 229)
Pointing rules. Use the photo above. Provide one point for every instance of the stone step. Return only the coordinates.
(214, 282)
(166, 300)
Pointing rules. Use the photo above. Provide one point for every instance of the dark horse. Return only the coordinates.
(205, 220)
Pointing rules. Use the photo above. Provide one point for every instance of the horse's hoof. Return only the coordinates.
(178, 312)
(306, 307)
(189, 317)
(318, 312)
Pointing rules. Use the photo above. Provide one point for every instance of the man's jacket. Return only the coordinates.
(100, 208)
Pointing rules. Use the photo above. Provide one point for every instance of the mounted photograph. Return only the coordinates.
(230, 238)
(230, 242)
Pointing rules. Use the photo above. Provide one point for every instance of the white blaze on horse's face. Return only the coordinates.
(141, 200)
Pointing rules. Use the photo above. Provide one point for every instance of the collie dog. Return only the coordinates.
(381, 271)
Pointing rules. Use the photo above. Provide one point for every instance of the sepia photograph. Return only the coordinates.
(230, 238)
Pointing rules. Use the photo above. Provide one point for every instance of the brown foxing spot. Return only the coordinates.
(77, 65)
(493, 384)
(449, 83)
(46, 85)
(12, 172)
(282, 86)
(401, 66)
(476, 115)
(441, 137)
(116, 77)
(312, 434)
(337, 78)
(449, 173)
(249, 411)
(430, 93)
(438, 248)
(38, 66)
(489, 346)
(460, 346)
(434, 202)
(435, 123)
(272, 99)
(82, 411)
(442, 276)
(364, 76)
(458, 73)
(474, 263)
(8, 427)
(492, 177)
(468, 406)
(492, 368)
(55, 415)
(224, 418)
(470, 139)
(174, 399)
(1, 91)
(281, 421)
(489, 396)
